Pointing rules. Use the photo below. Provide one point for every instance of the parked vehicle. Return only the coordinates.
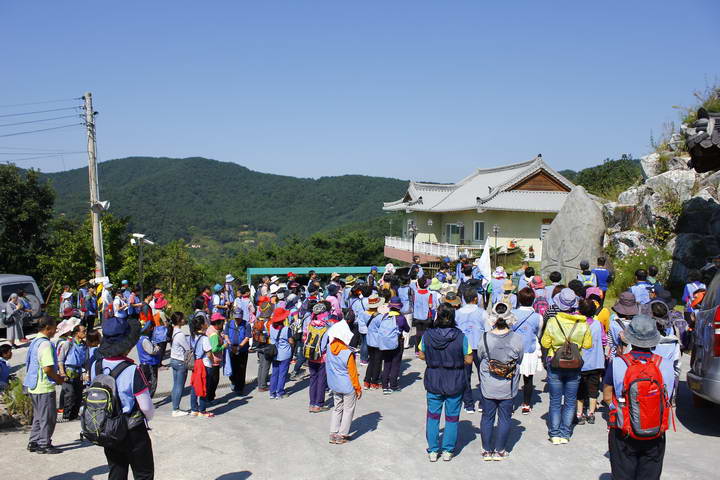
(10, 283)
(704, 375)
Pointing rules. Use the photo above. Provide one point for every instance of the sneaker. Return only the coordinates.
(375, 386)
(366, 385)
(179, 413)
(470, 410)
(447, 456)
(526, 409)
(194, 414)
(487, 456)
(49, 450)
(501, 455)
(396, 389)
(555, 440)
(263, 389)
(564, 441)
(364, 364)
(387, 391)
(206, 415)
(324, 408)
(32, 447)
(433, 456)
(313, 409)
(590, 418)
(580, 419)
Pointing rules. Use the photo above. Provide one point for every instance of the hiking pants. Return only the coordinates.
(364, 355)
(435, 403)
(632, 459)
(213, 378)
(279, 377)
(420, 327)
(263, 370)
(372, 373)
(562, 383)
(238, 361)
(503, 409)
(299, 356)
(391, 367)
(342, 413)
(151, 375)
(71, 391)
(44, 418)
(468, 400)
(134, 452)
(528, 388)
(318, 384)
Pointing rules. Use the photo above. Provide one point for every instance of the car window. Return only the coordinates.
(9, 289)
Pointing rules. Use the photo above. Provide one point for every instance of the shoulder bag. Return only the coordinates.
(498, 368)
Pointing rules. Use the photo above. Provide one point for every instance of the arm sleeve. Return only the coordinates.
(215, 345)
(546, 340)
(142, 395)
(149, 347)
(353, 372)
(467, 349)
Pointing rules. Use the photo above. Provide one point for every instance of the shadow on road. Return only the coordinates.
(366, 423)
(235, 475)
(698, 420)
(89, 475)
(467, 433)
(409, 379)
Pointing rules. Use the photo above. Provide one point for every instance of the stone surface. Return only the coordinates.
(633, 195)
(678, 183)
(575, 234)
(649, 164)
(699, 216)
(627, 217)
(691, 251)
(626, 241)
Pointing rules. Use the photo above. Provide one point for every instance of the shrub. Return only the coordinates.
(18, 404)
(625, 268)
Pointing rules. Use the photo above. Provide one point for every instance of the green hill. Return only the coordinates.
(198, 198)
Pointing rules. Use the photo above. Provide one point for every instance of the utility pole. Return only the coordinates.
(95, 206)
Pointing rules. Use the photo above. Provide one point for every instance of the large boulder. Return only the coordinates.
(626, 217)
(700, 216)
(691, 252)
(576, 234)
(633, 195)
(627, 241)
(649, 165)
(676, 183)
(657, 163)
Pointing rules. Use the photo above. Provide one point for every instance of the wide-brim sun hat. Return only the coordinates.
(350, 280)
(279, 315)
(375, 300)
(566, 300)
(341, 331)
(217, 316)
(217, 288)
(537, 283)
(66, 326)
(229, 278)
(274, 289)
(390, 268)
(626, 304)
(663, 321)
(435, 284)
(642, 332)
(451, 298)
(508, 285)
(499, 272)
(395, 302)
(274, 279)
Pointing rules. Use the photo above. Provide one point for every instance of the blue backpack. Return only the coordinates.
(388, 333)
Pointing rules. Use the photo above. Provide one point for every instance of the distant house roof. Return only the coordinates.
(529, 186)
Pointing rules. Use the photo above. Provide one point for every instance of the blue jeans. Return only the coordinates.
(364, 353)
(562, 383)
(299, 356)
(279, 377)
(197, 404)
(435, 404)
(503, 409)
(468, 400)
(179, 376)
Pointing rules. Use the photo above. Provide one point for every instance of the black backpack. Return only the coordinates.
(102, 421)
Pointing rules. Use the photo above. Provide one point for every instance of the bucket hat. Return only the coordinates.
(537, 282)
(508, 285)
(566, 300)
(452, 299)
(279, 315)
(642, 332)
(229, 278)
(499, 272)
(274, 279)
(66, 326)
(626, 304)
(395, 302)
(350, 280)
(374, 301)
(435, 284)
(341, 331)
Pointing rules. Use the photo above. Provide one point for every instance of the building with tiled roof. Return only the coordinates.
(449, 219)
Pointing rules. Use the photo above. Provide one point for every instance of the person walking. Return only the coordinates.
(563, 330)
(390, 330)
(260, 340)
(14, 321)
(528, 326)
(446, 351)
(40, 379)
(343, 381)
(638, 455)
(623, 311)
(499, 351)
(198, 382)
(279, 335)
(368, 319)
(316, 342)
(470, 319)
(217, 351)
(179, 351)
(237, 336)
(424, 302)
(593, 365)
(148, 355)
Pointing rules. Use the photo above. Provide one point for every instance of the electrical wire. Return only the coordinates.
(36, 121)
(46, 153)
(33, 149)
(40, 103)
(39, 111)
(14, 160)
(41, 130)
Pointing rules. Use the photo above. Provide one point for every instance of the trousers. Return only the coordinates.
(342, 413)
(503, 410)
(213, 378)
(263, 370)
(468, 399)
(435, 404)
(318, 384)
(238, 361)
(391, 367)
(44, 418)
(563, 384)
(279, 377)
(372, 373)
(134, 452)
(632, 459)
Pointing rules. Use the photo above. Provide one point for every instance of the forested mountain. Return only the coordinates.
(609, 178)
(195, 198)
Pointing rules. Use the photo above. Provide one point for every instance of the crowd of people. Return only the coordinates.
(506, 329)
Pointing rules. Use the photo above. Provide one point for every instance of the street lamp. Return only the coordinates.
(496, 231)
(140, 240)
(412, 230)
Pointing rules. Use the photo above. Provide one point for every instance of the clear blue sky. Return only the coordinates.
(410, 89)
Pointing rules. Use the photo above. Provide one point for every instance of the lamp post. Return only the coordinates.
(412, 230)
(496, 230)
(140, 240)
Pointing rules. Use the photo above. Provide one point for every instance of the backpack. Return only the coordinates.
(313, 344)
(541, 305)
(258, 331)
(568, 356)
(388, 333)
(188, 355)
(642, 413)
(102, 420)
(697, 297)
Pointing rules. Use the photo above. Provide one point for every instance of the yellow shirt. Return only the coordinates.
(604, 318)
(553, 337)
(45, 359)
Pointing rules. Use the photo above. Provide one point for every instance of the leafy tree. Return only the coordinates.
(610, 178)
(26, 205)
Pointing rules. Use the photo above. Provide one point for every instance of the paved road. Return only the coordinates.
(254, 437)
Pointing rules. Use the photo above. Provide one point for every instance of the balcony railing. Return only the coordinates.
(436, 249)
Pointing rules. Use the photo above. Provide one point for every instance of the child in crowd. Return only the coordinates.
(92, 341)
(5, 356)
(70, 351)
(149, 356)
(217, 349)
(602, 274)
(198, 382)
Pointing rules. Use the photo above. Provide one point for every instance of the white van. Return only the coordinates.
(10, 284)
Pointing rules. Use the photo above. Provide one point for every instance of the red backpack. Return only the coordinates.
(643, 413)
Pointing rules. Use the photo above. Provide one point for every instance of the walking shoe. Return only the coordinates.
(263, 389)
(364, 364)
(590, 418)
(555, 440)
(366, 385)
(49, 450)
(580, 419)
(447, 456)
(273, 397)
(313, 409)
(194, 414)
(501, 455)
(487, 456)
(564, 441)
(179, 413)
(396, 389)
(375, 386)
(206, 415)
(32, 447)
(324, 408)
(387, 391)
(433, 456)
(526, 409)
(292, 376)
(470, 410)
(333, 438)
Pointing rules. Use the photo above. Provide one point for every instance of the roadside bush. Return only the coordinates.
(18, 404)
(625, 268)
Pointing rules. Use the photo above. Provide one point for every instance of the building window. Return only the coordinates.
(479, 231)
(544, 229)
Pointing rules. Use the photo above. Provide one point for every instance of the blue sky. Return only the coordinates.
(410, 89)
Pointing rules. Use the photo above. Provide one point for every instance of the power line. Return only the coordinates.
(39, 103)
(41, 130)
(14, 160)
(46, 153)
(36, 121)
(39, 111)
(33, 149)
